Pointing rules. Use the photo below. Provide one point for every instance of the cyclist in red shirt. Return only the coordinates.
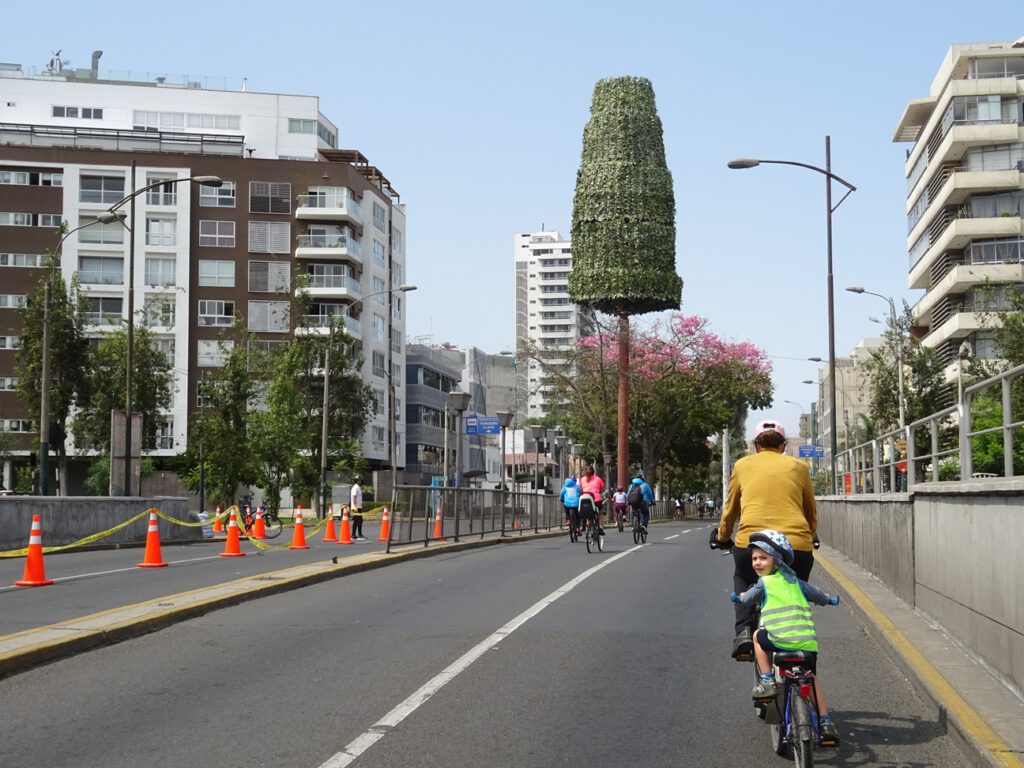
(594, 485)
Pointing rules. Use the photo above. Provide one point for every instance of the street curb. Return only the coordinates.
(980, 744)
(193, 604)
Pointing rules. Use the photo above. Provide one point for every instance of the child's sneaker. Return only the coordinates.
(765, 688)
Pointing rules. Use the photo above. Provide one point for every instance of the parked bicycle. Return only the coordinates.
(272, 524)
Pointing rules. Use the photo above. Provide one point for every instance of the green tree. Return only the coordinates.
(105, 389)
(69, 351)
(623, 221)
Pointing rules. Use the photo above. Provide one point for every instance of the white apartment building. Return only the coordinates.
(205, 258)
(546, 318)
(965, 189)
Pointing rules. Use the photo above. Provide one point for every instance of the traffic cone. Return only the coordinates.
(299, 537)
(331, 534)
(259, 529)
(218, 524)
(345, 537)
(35, 573)
(385, 527)
(152, 558)
(438, 522)
(231, 548)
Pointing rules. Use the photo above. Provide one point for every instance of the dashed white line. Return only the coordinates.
(380, 729)
(673, 536)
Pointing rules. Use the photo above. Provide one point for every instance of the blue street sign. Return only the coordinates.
(812, 451)
(482, 425)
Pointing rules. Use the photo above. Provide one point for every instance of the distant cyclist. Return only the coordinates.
(641, 497)
(621, 506)
(594, 485)
(767, 490)
(570, 497)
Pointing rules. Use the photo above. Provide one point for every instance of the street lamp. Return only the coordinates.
(741, 163)
(561, 441)
(208, 181)
(324, 426)
(899, 347)
(515, 407)
(504, 419)
(459, 402)
(537, 431)
(44, 383)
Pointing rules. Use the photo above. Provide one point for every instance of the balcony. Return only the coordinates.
(320, 324)
(954, 186)
(958, 326)
(955, 233)
(960, 279)
(329, 207)
(336, 246)
(333, 287)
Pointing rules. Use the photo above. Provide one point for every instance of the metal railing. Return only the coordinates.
(468, 512)
(980, 438)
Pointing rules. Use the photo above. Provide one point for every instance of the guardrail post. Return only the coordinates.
(876, 470)
(1007, 430)
(966, 464)
(911, 459)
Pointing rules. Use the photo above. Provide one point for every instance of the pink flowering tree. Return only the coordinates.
(686, 384)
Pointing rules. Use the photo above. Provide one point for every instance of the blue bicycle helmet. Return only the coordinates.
(637, 481)
(774, 543)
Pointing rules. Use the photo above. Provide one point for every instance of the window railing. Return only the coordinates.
(99, 277)
(342, 200)
(335, 281)
(330, 241)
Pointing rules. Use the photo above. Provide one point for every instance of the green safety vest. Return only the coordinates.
(786, 615)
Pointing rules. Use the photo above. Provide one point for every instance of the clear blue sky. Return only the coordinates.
(475, 112)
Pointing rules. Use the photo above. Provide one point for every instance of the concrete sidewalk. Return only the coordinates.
(982, 713)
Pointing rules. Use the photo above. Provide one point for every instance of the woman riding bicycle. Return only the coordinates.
(767, 490)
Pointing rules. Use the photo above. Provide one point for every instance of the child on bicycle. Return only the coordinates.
(786, 620)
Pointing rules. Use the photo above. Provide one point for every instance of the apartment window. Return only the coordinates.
(102, 310)
(217, 197)
(8, 383)
(213, 353)
(17, 425)
(21, 219)
(327, 135)
(166, 348)
(161, 232)
(84, 113)
(270, 237)
(105, 190)
(380, 217)
(378, 437)
(217, 122)
(159, 313)
(260, 349)
(270, 197)
(160, 271)
(164, 194)
(999, 251)
(1002, 157)
(101, 270)
(379, 328)
(217, 234)
(380, 254)
(396, 340)
(269, 316)
(396, 241)
(378, 288)
(21, 259)
(379, 368)
(396, 275)
(216, 312)
(155, 121)
(165, 433)
(12, 300)
(94, 233)
(269, 277)
(217, 274)
(301, 126)
(396, 308)
(9, 342)
(32, 178)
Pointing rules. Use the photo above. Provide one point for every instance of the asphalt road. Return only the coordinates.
(505, 656)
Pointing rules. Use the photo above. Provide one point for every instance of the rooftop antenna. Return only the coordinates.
(56, 65)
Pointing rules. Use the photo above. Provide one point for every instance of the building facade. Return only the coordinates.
(547, 321)
(853, 399)
(965, 188)
(207, 260)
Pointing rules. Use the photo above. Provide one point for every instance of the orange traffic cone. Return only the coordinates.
(331, 534)
(218, 524)
(231, 548)
(438, 522)
(299, 537)
(345, 537)
(259, 529)
(385, 527)
(152, 558)
(35, 573)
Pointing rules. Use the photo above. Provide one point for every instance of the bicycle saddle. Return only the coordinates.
(788, 659)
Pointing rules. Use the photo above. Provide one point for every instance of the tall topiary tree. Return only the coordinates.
(623, 221)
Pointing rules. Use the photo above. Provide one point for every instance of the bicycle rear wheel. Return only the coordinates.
(273, 526)
(803, 732)
(643, 535)
(586, 538)
(620, 521)
(600, 540)
(636, 533)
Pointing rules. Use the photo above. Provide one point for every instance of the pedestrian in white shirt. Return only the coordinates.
(356, 499)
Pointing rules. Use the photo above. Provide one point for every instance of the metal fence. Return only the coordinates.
(980, 438)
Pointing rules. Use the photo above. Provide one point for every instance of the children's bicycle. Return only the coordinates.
(792, 716)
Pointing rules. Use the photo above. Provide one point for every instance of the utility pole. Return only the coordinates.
(44, 406)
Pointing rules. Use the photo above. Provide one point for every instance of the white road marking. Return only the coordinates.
(673, 536)
(380, 729)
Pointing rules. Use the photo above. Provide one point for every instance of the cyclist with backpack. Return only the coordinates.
(640, 497)
(570, 497)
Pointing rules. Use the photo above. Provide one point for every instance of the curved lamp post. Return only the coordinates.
(459, 402)
(741, 163)
(208, 181)
(537, 431)
(899, 347)
(504, 419)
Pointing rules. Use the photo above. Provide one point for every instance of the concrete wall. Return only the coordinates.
(68, 519)
(951, 550)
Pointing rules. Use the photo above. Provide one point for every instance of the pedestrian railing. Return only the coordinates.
(425, 514)
(980, 438)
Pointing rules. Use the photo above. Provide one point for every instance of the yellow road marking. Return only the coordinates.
(971, 722)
